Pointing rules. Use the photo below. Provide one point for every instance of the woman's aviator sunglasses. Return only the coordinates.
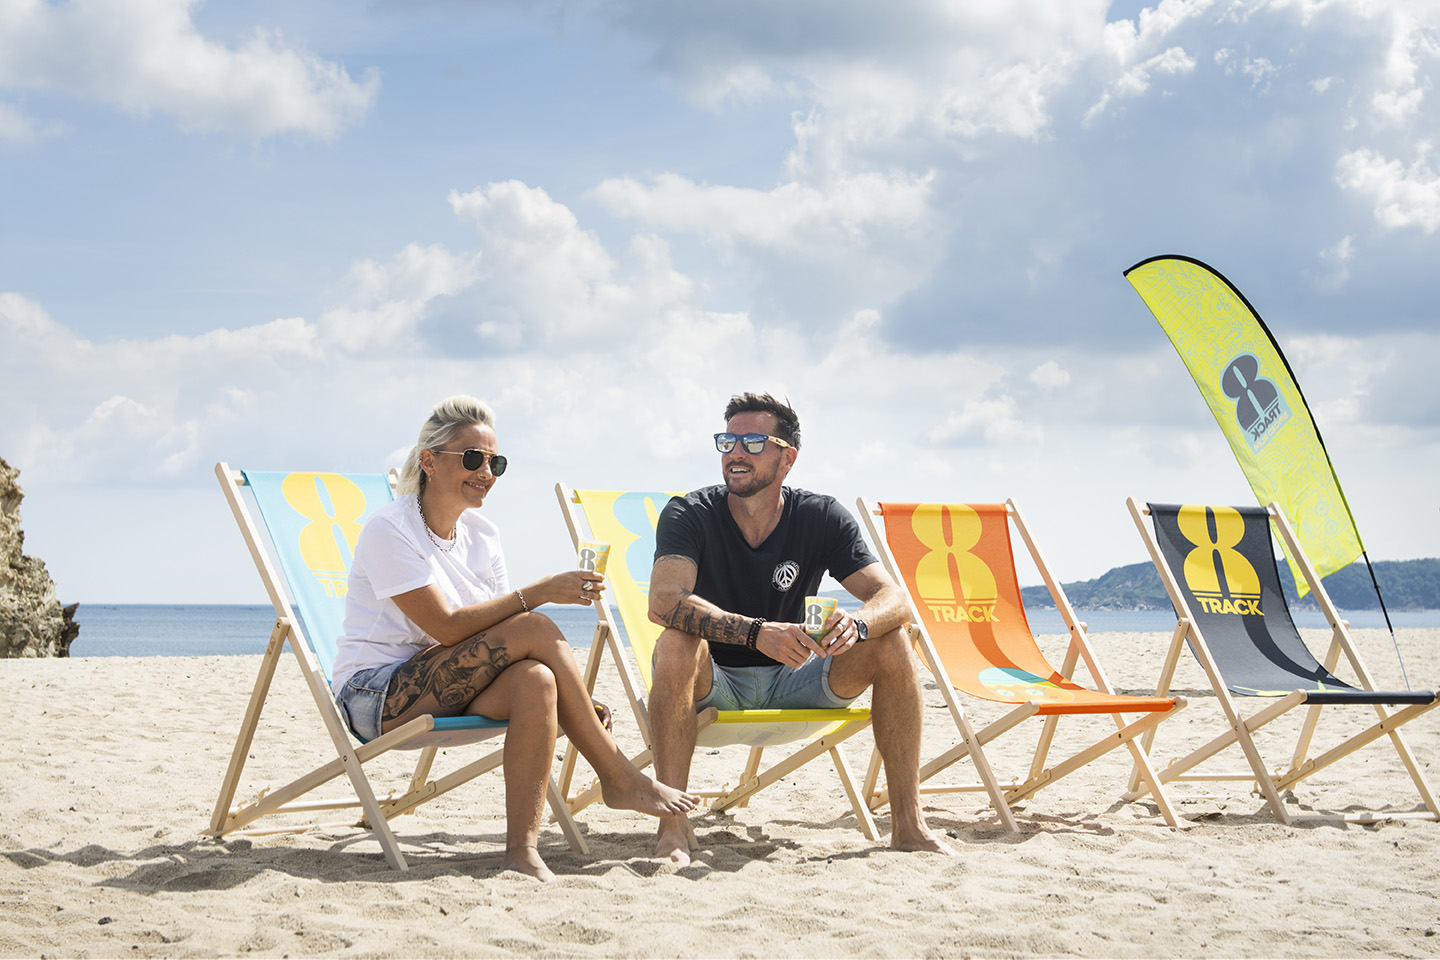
(473, 459)
(753, 443)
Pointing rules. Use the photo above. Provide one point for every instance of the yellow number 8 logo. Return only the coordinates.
(318, 543)
(932, 573)
(1200, 566)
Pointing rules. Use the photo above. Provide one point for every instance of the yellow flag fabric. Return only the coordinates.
(1250, 389)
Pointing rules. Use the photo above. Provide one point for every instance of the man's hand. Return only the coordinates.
(786, 643)
(842, 635)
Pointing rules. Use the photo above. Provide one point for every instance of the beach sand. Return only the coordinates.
(112, 765)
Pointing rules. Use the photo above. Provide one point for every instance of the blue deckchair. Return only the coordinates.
(1218, 565)
(311, 522)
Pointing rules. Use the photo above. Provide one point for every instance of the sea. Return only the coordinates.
(203, 630)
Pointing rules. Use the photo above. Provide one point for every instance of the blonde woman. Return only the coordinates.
(433, 625)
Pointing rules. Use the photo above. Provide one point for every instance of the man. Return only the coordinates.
(733, 564)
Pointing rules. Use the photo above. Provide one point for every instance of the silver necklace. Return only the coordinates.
(445, 547)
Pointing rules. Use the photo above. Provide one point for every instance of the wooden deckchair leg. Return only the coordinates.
(1204, 752)
(872, 776)
(1125, 734)
(246, 736)
(752, 767)
(1148, 775)
(374, 817)
(1387, 725)
(1049, 725)
(1162, 689)
(1042, 746)
(1312, 715)
(592, 672)
(791, 763)
(562, 814)
(857, 800)
(423, 763)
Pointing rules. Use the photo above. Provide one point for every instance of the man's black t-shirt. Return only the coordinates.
(815, 536)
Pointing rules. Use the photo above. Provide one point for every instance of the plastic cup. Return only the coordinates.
(592, 557)
(817, 611)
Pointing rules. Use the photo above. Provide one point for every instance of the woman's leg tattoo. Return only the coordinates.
(453, 678)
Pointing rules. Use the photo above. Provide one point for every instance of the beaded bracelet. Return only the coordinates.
(754, 632)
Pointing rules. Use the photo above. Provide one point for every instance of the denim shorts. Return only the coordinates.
(778, 687)
(362, 699)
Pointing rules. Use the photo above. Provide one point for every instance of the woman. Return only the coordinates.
(433, 626)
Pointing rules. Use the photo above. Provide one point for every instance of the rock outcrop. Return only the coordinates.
(32, 622)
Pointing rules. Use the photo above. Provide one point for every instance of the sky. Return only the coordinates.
(275, 234)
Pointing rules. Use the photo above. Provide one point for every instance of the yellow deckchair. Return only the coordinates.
(626, 520)
(1218, 565)
(958, 568)
(310, 525)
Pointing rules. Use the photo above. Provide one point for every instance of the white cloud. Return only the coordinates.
(542, 279)
(1258, 70)
(1049, 376)
(792, 219)
(16, 126)
(847, 243)
(1136, 80)
(1336, 260)
(382, 304)
(147, 56)
(1401, 196)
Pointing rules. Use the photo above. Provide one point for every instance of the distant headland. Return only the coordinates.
(1406, 584)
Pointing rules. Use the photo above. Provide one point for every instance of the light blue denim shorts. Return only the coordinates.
(362, 699)
(778, 687)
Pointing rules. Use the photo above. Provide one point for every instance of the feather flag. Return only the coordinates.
(1252, 392)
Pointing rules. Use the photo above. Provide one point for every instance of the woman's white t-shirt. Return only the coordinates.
(394, 556)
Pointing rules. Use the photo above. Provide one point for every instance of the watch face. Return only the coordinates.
(862, 630)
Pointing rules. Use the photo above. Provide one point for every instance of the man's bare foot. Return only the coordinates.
(526, 859)
(642, 793)
(673, 841)
(920, 840)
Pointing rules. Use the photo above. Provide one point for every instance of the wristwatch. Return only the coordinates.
(862, 629)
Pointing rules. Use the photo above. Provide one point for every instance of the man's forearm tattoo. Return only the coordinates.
(719, 627)
(453, 677)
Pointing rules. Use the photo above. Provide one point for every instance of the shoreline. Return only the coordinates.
(115, 764)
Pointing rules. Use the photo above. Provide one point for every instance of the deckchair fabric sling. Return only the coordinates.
(309, 526)
(1218, 565)
(626, 519)
(957, 564)
(1241, 608)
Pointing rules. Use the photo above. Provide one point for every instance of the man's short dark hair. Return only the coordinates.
(787, 423)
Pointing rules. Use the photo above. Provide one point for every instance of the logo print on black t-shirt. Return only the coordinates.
(785, 575)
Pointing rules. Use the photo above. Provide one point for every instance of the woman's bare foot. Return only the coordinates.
(644, 794)
(673, 841)
(526, 859)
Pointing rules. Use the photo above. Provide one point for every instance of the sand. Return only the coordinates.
(111, 767)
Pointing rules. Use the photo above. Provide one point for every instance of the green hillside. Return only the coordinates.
(1407, 585)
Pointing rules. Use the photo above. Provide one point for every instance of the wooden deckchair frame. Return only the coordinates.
(724, 727)
(1004, 794)
(1241, 729)
(350, 758)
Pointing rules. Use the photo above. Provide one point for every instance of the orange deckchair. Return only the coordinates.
(958, 569)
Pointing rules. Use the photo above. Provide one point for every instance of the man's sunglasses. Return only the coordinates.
(473, 459)
(752, 442)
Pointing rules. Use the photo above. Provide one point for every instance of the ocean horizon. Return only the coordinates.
(203, 630)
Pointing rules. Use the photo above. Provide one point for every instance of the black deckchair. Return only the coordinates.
(1218, 565)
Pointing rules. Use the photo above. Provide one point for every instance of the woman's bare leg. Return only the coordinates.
(445, 680)
(524, 694)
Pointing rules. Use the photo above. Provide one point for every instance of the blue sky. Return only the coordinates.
(275, 234)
